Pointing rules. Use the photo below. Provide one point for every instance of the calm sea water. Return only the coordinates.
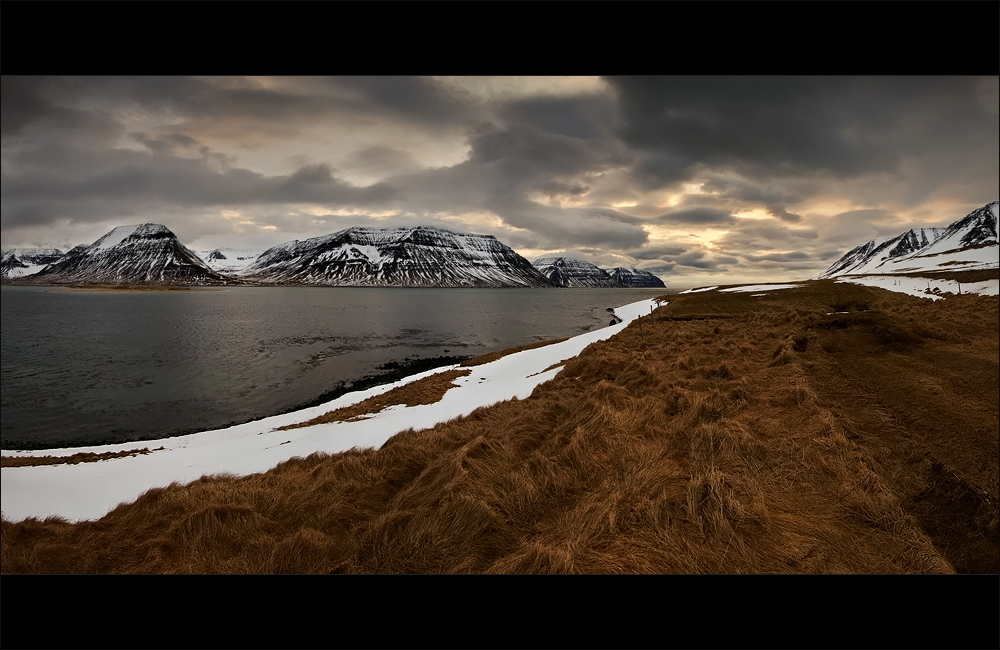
(89, 368)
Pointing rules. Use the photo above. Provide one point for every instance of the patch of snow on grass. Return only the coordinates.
(925, 287)
(761, 287)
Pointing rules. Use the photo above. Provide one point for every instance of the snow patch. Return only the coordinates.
(761, 287)
(924, 287)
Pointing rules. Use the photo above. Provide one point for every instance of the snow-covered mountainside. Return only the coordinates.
(967, 244)
(21, 262)
(229, 260)
(395, 257)
(633, 277)
(140, 254)
(568, 272)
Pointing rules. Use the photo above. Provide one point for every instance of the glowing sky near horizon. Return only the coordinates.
(697, 179)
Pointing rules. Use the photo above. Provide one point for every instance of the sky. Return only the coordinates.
(696, 179)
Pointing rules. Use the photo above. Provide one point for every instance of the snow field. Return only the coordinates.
(924, 287)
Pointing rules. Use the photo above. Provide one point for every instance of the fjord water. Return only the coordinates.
(83, 368)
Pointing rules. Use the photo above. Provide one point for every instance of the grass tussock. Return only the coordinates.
(423, 391)
(685, 448)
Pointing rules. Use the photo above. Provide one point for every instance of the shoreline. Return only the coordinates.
(89, 490)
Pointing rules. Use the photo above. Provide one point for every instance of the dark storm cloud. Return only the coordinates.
(784, 215)
(698, 259)
(763, 126)
(412, 98)
(271, 107)
(583, 117)
(379, 159)
(613, 215)
(557, 189)
(657, 252)
(123, 182)
(21, 103)
(507, 163)
(701, 216)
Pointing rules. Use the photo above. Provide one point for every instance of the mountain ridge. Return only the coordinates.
(968, 243)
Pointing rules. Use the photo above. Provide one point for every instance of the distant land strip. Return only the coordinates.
(85, 457)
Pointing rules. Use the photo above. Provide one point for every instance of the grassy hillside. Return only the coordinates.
(830, 428)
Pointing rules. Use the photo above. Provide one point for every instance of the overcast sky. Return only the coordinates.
(697, 179)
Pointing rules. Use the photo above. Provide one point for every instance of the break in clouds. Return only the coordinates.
(693, 178)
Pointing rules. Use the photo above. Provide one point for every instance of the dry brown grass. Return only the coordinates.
(869, 449)
(423, 391)
(86, 457)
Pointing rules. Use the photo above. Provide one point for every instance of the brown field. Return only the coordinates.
(726, 433)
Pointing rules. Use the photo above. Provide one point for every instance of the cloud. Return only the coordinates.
(772, 126)
(698, 216)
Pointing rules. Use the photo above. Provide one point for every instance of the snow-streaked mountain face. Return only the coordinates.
(969, 243)
(140, 254)
(633, 277)
(229, 260)
(568, 272)
(395, 257)
(21, 262)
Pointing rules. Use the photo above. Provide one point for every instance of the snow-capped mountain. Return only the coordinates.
(968, 243)
(568, 272)
(873, 254)
(229, 260)
(395, 257)
(21, 262)
(140, 254)
(633, 277)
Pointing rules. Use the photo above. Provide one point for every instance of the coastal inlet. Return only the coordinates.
(84, 368)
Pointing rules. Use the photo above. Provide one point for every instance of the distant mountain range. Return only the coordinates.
(405, 257)
(633, 277)
(970, 243)
(140, 254)
(569, 272)
(431, 257)
(19, 262)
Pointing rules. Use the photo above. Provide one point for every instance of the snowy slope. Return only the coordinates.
(633, 277)
(21, 262)
(229, 260)
(138, 254)
(969, 243)
(403, 257)
(925, 287)
(90, 490)
(568, 272)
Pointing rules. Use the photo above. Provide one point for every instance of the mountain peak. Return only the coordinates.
(147, 253)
